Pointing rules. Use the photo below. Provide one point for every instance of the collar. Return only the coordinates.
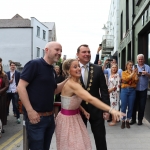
(81, 65)
(12, 71)
(141, 66)
(45, 63)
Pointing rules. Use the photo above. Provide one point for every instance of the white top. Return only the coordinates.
(12, 86)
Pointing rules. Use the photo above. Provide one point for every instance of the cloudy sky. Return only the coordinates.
(77, 21)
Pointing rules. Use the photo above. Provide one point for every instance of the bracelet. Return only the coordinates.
(110, 110)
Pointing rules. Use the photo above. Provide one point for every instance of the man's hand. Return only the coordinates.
(11, 81)
(98, 50)
(33, 116)
(106, 116)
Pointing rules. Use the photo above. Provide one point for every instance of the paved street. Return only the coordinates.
(136, 138)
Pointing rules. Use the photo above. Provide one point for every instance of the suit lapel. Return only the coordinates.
(89, 74)
(81, 80)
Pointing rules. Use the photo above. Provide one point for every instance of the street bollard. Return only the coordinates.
(25, 141)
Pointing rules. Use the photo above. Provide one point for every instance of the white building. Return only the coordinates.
(22, 39)
(111, 37)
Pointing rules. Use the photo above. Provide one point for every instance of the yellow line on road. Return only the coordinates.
(11, 139)
(15, 143)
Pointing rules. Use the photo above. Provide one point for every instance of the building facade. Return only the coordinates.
(133, 32)
(22, 39)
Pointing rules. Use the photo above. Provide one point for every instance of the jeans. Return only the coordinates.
(14, 97)
(40, 134)
(139, 105)
(127, 100)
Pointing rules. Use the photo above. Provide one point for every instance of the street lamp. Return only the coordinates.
(105, 29)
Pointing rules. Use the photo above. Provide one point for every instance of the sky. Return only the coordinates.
(77, 21)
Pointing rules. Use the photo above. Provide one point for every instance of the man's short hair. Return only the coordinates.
(84, 45)
(12, 63)
(1, 60)
(140, 55)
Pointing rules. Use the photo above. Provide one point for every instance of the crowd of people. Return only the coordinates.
(8, 92)
(86, 91)
(128, 89)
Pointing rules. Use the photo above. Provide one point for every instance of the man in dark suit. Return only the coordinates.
(96, 84)
(12, 93)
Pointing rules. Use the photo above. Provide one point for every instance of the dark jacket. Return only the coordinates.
(17, 76)
(96, 85)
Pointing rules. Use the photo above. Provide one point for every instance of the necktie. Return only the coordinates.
(85, 75)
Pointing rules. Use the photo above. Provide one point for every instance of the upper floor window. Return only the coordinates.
(44, 34)
(38, 31)
(38, 52)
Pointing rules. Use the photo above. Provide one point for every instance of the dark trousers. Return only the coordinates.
(40, 134)
(14, 97)
(99, 132)
(139, 105)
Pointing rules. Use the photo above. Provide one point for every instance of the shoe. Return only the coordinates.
(0, 134)
(3, 131)
(127, 124)
(18, 121)
(132, 122)
(15, 115)
(140, 123)
(109, 120)
(123, 125)
(112, 123)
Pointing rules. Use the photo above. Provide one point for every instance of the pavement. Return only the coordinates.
(135, 138)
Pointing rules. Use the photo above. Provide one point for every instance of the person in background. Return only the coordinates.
(141, 90)
(12, 93)
(3, 105)
(114, 89)
(129, 81)
(59, 79)
(107, 71)
(97, 61)
(1, 61)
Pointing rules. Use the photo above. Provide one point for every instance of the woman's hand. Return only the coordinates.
(87, 115)
(116, 114)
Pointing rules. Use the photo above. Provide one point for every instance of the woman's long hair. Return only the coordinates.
(2, 73)
(129, 61)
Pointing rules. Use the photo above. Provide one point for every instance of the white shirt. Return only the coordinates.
(12, 86)
(83, 69)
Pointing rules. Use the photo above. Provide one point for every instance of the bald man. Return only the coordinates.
(36, 90)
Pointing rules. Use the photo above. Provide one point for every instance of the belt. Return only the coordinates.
(45, 113)
(70, 112)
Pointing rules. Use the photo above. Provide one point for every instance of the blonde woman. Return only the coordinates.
(128, 92)
(113, 89)
(71, 133)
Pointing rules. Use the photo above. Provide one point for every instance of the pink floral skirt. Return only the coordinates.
(71, 133)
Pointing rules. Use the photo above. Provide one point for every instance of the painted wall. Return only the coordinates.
(38, 41)
(15, 44)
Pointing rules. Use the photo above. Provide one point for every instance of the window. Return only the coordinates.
(149, 10)
(149, 49)
(127, 15)
(146, 15)
(38, 31)
(38, 52)
(44, 34)
(121, 26)
(142, 20)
